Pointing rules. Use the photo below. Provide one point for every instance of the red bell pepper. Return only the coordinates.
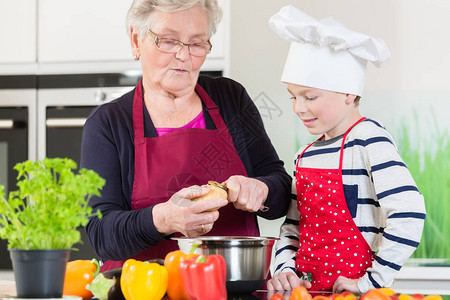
(204, 278)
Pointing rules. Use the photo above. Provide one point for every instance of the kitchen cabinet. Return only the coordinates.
(94, 31)
(64, 36)
(83, 31)
(17, 31)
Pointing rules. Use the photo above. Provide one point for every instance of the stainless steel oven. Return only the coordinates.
(64, 103)
(17, 134)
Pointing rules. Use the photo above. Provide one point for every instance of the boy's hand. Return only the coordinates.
(345, 284)
(285, 282)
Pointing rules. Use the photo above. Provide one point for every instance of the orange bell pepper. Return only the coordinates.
(300, 293)
(350, 297)
(143, 280)
(375, 294)
(321, 297)
(175, 289)
(80, 273)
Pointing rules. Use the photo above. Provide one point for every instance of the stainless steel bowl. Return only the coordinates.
(247, 258)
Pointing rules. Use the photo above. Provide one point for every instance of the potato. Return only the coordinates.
(216, 191)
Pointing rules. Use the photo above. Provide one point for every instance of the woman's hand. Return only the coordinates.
(345, 284)
(245, 193)
(286, 282)
(181, 214)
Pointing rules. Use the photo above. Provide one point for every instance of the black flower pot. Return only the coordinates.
(39, 273)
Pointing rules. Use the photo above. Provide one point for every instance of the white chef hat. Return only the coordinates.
(324, 54)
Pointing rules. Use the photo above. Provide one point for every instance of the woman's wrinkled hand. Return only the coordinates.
(286, 281)
(181, 214)
(245, 193)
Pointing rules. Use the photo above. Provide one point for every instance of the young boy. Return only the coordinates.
(357, 214)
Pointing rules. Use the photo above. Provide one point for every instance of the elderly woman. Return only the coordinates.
(158, 144)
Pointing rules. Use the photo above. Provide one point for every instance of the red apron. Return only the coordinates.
(190, 156)
(330, 243)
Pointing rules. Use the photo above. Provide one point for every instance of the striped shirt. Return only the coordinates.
(381, 195)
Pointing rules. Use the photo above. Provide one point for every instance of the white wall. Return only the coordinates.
(256, 61)
(411, 86)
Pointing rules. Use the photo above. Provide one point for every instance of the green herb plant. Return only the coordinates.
(50, 204)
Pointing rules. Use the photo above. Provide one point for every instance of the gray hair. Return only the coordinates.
(140, 13)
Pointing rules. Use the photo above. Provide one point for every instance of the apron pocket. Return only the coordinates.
(351, 198)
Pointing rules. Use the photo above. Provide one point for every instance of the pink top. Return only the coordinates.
(197, 122)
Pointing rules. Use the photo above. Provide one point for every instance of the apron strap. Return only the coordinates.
(138, 111)
(341, 156)
(138, 114)
(212, 108)
(306, 148)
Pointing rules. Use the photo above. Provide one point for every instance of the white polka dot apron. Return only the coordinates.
(330, 243)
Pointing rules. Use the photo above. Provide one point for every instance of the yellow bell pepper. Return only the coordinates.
(143, 280)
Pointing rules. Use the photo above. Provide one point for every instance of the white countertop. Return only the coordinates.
(6, 275)
(425, 280)
(7, 288)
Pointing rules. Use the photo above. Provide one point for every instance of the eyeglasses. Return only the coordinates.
(173, 46)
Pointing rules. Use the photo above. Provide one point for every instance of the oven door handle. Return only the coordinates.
(65, 122)
(6, 123)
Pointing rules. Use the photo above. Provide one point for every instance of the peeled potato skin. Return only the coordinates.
(214, 193)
